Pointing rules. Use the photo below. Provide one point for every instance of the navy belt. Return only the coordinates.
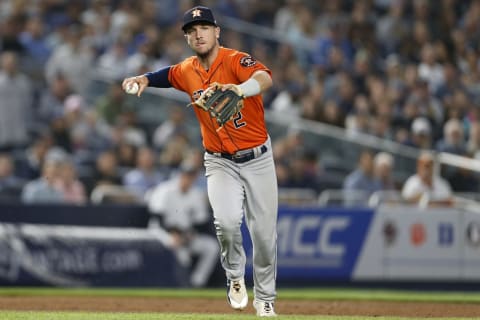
(242, 155)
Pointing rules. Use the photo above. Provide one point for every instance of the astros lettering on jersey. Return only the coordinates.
(247, 129)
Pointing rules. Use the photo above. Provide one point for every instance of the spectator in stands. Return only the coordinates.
(59, 127)
(120, 18)
(128, 129)
(392, 27)
(37, 48)
(332, 114)
(96, 19)
(383, 165)
(425, 186)
(334, 51)
(68, 184)
(288, 101)
(181, 208)
(301, 34)
(458, 106)
(361, 27)
(173, 153)
(106, 171)
(16, 98)
(424, 63)
(89, 134)
(430, 69)
(451, 83)
(145, 175)
(461, 180)
(362, 69)
(358, 121)
(194, 157)
(10, 28)
(29, 162)
(113, 62)
(42, 190)
(453, 138)
(289, 145)
(426, 104)
(421, 134)
(52, 99)
(73, 59)
(330, 13)
(286, 16)
(361, 183)
(380, 127)
(473, 143)
(111, 105)
(174, 125)
(283, 174)
(300, 176)
(126, 154)
(10, 185)
(144, 57)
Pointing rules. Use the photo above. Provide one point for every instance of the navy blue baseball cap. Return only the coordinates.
(198, 14)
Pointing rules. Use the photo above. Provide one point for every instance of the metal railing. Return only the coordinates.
(342, 198)
(330, 142)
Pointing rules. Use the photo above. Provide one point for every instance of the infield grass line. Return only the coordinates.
(300, 293)
(29, 315)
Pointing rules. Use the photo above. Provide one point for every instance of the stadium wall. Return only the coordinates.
(51, 245)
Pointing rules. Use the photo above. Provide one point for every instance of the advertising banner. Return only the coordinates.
(427, 245)
(316, 244)
(408, 243)
(32, 255)
(470, 233)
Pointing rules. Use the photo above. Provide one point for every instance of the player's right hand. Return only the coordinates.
(141, 80)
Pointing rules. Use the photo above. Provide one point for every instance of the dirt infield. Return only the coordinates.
(189, 305)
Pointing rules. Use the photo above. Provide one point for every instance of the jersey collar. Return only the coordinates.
(216, 63)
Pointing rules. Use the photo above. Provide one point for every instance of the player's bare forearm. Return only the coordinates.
(264, 80)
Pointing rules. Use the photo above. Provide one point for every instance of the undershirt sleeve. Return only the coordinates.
(159, 78)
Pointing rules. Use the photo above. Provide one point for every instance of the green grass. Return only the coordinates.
(155, 316)
(315, 294)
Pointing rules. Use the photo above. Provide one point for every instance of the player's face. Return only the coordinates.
(202, 38)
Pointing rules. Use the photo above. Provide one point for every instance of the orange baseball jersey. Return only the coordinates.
(247, 129)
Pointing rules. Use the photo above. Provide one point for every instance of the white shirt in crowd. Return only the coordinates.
(182, 210)
(179, 210)
(440, 189)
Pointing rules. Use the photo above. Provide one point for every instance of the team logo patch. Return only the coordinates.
(196, 13)
(248, 61)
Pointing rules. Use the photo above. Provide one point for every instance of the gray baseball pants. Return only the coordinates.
(249, 188)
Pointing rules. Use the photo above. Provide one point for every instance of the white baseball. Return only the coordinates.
(132, 88)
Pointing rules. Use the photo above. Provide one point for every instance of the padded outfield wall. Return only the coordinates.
(387, 244)
(110, 246)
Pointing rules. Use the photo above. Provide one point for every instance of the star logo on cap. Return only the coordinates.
(196, 13)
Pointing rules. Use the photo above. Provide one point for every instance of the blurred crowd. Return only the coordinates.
(403, 70)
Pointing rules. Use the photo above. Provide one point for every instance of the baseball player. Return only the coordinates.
(181, 207)
(238, 158)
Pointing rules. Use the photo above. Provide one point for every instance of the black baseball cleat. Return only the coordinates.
(237, 295)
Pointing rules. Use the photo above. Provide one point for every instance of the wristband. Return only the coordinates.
(249, 88)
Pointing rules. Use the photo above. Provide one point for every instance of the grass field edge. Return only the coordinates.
(298, 293)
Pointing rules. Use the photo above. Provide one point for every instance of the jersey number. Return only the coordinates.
(237, 122)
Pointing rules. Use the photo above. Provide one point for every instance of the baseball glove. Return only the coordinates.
(222, 105)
